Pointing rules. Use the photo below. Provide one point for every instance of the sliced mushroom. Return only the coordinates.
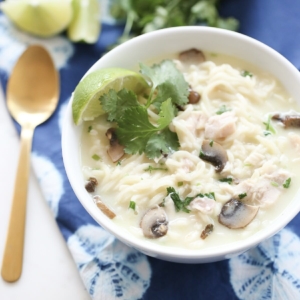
(91, 184)
(192, 56)
(236, 214)
(207, 231)
(154, 223)
(103, 207)
(193, 97)
(215, 154)
(115, 151)
(288, 120)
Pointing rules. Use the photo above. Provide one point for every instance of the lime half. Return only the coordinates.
(86, 105)
(85, 24)
(43, 18)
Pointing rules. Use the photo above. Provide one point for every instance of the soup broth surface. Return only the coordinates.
(263, 156)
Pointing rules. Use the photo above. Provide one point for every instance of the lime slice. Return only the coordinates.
(85, 24)
(86, 105)
(43, 18)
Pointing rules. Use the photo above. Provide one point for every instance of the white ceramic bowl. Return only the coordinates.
(160, 44)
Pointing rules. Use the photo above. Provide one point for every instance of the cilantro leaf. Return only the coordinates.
(181, 205)
(241, 196)
(168, 82)
(150, 169)
(135, 130)
(138, 135)
(115, 103)
(164, 142)
(287, 183)
(178, 203)
(226, 179)
(269, 126)
(222, 109)
(167, 114)
(246, 73)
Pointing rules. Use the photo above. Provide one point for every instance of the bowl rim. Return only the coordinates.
(154, 249)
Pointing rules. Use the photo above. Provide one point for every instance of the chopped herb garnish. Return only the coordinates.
(181, 205)
(287, 183)
(118, 163)
(248, 165)
(222, 109)
(150, 169)
(241, 196)
(96, 157)
(266, 133)
(90, 128)
(228, 180)
(132, 204)
(211, 143)
(246, 73)
(180, 183)
(269, 126)
(274, 183)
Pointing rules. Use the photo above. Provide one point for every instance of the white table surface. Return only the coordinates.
(48, 269)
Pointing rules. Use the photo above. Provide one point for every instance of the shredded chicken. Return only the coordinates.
(203, 204)
(220, 126)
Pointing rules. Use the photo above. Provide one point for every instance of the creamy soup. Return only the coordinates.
(234, 172)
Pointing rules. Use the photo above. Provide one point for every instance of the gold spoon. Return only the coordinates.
(32, 96)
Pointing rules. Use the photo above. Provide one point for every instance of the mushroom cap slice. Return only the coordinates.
(192, 55)
(288, 120)
(215, 154)
(115, 151)
(154, 223)
(236, 214)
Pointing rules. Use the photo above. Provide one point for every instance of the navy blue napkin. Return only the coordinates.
(110, 269)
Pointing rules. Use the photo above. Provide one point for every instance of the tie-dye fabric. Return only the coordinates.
(112, 270)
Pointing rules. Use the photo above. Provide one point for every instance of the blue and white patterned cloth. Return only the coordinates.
(110, 269)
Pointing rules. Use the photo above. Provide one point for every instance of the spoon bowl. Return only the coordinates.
(32, 96)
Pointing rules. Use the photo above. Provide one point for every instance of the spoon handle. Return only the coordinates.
(13, 254)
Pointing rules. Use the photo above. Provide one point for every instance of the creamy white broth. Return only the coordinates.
(250, 99)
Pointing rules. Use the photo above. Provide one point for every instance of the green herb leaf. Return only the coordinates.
(132, 204)
(150, 15)
(90, 128)
(118, 163)
(179, 206)
(266, 133)
(168, 82)
(180, 183)
(211, 143)
(96, 157)
(228, 180)
(138, 135)
(246, 73)
(274, 183)
(287, 183)
(269, 126)
(222, 109)
(241, 196)
(116, 103)
(150, 169)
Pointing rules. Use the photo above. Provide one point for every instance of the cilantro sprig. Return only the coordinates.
(148, 15)
(135, 131)
(181, 205)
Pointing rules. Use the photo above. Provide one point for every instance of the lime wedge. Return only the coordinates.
(43, 18)
(85, 24)
(86, 105)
